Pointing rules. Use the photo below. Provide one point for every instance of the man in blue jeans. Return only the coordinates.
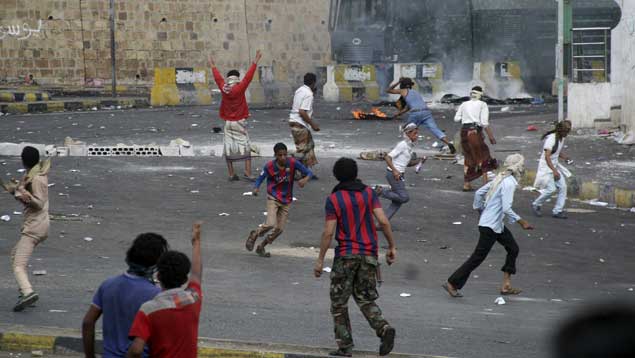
(400, 158)
(417, 109)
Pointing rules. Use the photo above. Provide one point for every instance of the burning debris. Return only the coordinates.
(374, 113)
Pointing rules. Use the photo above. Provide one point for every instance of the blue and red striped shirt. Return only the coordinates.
(353, 210)
(280, 183)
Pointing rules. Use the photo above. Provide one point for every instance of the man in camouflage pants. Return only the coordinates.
(354, 269)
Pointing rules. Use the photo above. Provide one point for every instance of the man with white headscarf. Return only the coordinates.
(400, 158)
(234, 111)
(494, 201)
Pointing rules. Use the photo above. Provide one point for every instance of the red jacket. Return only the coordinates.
(233, 106)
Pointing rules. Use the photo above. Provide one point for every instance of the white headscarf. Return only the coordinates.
(407, 129)
(476, 95)
(230, 82)
(514, 165)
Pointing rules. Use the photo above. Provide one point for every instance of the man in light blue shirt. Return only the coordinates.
(494, 201)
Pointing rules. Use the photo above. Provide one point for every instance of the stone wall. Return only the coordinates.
(72, 45)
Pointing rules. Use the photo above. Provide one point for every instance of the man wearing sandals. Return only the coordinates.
(494, 201)
(280, 175)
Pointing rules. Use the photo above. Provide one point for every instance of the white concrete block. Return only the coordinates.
(10, 149)
(186, 151)
(588, 102)
(78, 150)
(170, 151)
(61, 151)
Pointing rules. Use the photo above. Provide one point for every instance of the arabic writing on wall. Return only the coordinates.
(20, 32)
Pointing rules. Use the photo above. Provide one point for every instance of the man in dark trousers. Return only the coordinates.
(494, 202)
(349, 213)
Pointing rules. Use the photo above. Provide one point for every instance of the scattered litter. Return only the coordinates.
(254, 313)
(74, 170)
(194, 124)
(37, 353)
(94, 108)
(457, 223)
(104, 257)
(58, 311)
(443, 247)
(88, 239)
(210, 173)
(223, 214)
(556, 300)
(602, 260)
(422, 240)
(632, 210)
(39, 272)
(21, 170)
(326, 269)
(194, 191)
(52, 184)
(580, 211)
(295, 199)
(567, 243)
(532, 128)
(435, 145)
(595, 202)
(196, 115)
(17, 213)
(295, 283)
(630, 289)
(447, 329)
(529, 188)
(332, 146)
(248, 193)
(506, 109)
(500, 301)
(5, 218)
(405, 294)
(264, 213)
(338, 108)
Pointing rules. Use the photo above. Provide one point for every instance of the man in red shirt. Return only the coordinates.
(349, 216)
(234, 111)
(168, 323)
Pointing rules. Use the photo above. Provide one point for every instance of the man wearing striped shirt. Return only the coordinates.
(280, 175)
(349, 216)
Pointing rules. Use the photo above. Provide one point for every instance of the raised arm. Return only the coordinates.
(197, 266)
(249, 76)
(218, 78)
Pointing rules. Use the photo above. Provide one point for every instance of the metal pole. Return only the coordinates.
(560, 60)
(112, 48)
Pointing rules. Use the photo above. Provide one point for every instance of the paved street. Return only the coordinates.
(562, 266)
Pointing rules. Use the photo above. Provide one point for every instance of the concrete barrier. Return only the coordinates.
(175, 86)
(24, 96)
(427, 76)
(346, 83)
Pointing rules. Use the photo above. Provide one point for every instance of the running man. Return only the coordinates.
(280, 175)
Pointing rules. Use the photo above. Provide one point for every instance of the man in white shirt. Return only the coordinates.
(551, 174)
(398, 160)
(301, 121)
(494, 201)
(474, 117)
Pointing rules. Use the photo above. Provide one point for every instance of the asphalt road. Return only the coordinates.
(563, 265)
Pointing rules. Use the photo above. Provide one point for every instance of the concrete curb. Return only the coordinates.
(72, 105)
(589, 190)
(67, 341)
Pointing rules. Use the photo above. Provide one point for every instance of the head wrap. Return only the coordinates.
(230, 82)
(476, 93)
(514, 166)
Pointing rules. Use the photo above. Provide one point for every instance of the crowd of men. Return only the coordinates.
(162, 289)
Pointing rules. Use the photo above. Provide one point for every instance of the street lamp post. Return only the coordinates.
(112, 48)
(560, 60)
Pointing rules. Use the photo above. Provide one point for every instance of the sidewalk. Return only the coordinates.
(68, 342)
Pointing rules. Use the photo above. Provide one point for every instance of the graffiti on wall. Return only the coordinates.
(20, 32)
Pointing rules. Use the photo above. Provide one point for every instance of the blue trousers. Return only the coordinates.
(397, 194)
(425, 119)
